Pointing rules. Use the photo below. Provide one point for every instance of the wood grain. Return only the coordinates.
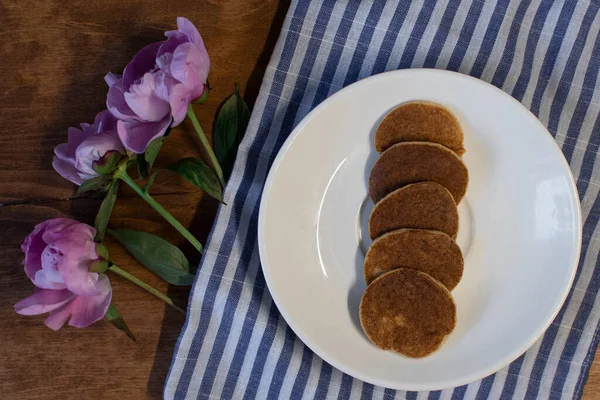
(55, 54)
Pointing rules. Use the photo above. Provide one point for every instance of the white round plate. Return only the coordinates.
(520, 229)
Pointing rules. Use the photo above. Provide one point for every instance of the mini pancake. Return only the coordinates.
(424, 205)
(408, 312)
(432, 252)
(412, 162)
(420, 121)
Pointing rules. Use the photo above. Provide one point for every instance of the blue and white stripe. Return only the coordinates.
(545, 53)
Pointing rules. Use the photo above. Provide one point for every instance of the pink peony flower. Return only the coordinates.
(90, 151)
(186, 58)
(58, 256)
(157, 86)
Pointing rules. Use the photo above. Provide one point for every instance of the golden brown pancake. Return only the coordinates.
(432, 252)
(423, 205)
(412, 162)
(420, 121)
(408, 312)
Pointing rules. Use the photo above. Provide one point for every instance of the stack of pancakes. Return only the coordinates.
(414, 261)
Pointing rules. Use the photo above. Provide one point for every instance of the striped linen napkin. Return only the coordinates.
(544, 53)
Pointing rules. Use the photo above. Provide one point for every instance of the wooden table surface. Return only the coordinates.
(54, 55)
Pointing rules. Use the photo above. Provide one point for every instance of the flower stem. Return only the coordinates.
(122, 174)
(145, 286)
(211, 154)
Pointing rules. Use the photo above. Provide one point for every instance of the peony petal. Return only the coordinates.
(164, 62)
(175, 38)
(164, 83)
(182, 96)
(87, 310)
(66, 170)
(78, 279)
(105, 121)
(43, 301)
(111, 78)
(141, 63)
(188, 58)
(116, 104)
(75, 137)
(137, 135)
(179, 103)
(186, 27)
(63, 153)
(58, 317)
(33, 246)
(49, 277)
(74, 265)
(58, 228)
(144, 102)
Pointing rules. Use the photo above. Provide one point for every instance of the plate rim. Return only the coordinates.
(322, 353)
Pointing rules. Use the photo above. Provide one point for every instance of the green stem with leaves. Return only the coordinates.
(211, 154)
(133, 279)
(122, 175)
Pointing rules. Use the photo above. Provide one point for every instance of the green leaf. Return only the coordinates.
(105, 210)
(112, 315)
(152, 151)
(151, 180)
(99, 182)
(229, 130)
(156, 254)
(145, 161)
(198, 173)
